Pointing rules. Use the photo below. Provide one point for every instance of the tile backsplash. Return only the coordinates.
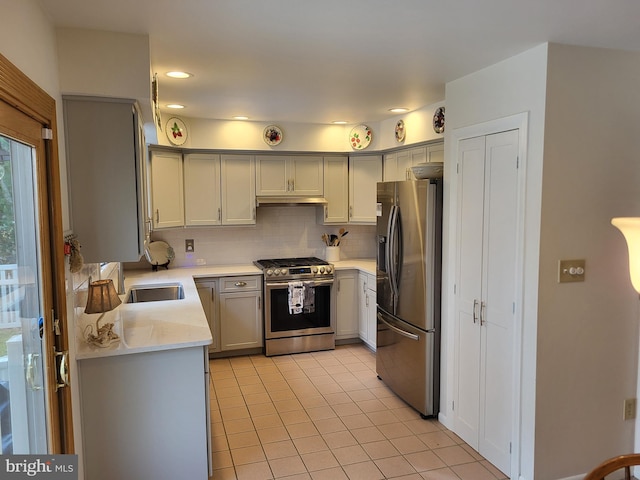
(279, 232)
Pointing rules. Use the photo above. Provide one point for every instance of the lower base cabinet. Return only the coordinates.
(367, 302)
(233, 306)
(145, 415)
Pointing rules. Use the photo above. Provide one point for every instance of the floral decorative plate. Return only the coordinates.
(400, 131)
(177, 132)
(438, 120)
(360, 137)
(272, 135)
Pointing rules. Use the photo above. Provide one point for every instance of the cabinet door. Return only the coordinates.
(106, 172)
(486, 283)
(306, 173)
(372, 320)
(240, 320)
(390, 167)
(166, 189)
(238, 189)
(207, 293)
(202, 204)
(364, 173)
(336, 190)
(363, 305)
(435, 152)
(404, 165)
(272, 176)
(346, 304)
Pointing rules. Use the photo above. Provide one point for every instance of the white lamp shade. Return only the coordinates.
(630, 228)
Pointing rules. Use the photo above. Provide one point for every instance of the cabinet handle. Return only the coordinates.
(326, 214)
(482, 310)
(241, 284)
(475, 316)
(367, 300)
(157, 216)
(350, 211)
(259, 303)
(219, 214)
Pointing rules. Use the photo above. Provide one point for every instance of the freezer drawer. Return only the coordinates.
(406, 362)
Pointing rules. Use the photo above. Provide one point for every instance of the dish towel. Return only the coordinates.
(309, 305)
(296, 297)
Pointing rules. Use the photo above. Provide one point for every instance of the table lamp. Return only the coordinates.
(630, 228)
(102, 297)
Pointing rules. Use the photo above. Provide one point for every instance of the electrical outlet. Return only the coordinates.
(629, 409)
(189, 245)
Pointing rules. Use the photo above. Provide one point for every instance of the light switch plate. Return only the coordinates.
(571, 270)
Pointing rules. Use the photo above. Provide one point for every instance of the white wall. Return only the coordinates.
(510, 87)
(587, 332)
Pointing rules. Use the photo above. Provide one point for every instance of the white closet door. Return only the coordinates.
(468, 286)
(498, 297)
(485, 290)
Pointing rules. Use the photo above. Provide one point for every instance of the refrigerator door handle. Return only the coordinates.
(392, 260)
(404, 333)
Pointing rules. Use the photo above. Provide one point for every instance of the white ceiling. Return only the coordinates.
(320, 61)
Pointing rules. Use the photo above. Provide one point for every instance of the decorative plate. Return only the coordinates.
(177, 132)
(400, 131)
(272, 135)
(438, 120)
(360, 137)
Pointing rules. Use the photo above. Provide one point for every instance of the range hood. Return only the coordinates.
(289, 200)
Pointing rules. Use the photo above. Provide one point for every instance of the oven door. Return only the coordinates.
(279, 323)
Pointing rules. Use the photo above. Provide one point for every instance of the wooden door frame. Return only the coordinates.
(19, 91)
(518, 122)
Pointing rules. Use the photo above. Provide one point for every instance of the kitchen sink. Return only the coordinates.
(155, 293)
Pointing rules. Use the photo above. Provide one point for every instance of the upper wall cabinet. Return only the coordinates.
(106, 161)
(166, 189)
(364, 173)
(238, 188)
(336, 191)
(202, 201)
(397, 165)
(289, 175)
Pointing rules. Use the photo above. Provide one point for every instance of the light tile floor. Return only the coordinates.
(326, 416)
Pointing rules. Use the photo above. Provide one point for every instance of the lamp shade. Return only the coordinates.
(102, 297)
(630, 228)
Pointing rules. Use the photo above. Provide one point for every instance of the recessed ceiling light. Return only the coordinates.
(175, 105)
(399, 110)
(241, 117)
(339, 122)
(178, 74)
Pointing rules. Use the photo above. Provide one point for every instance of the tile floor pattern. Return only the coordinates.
(326, 416)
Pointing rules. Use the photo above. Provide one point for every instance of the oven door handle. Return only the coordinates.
(286, 284)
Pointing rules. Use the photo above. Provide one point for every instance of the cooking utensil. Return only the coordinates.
(332, 240)
(342, 234)
(325, 239)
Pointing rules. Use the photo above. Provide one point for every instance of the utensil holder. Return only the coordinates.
(332, 254)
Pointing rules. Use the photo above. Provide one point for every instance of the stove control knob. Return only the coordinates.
(269, 272)
(321, 269)
(329, 269)
(314, 270)
(283, 271)
(277, 271)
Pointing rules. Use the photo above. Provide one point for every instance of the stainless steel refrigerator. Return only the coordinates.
(409, 259)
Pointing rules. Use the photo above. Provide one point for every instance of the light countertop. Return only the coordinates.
(170, 324)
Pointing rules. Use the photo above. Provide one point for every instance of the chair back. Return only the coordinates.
(614, 464)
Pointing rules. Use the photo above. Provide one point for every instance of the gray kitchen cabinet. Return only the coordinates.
(397, 164)
(364, 173)
(367, 303)
(435, 152)
(146, 415)
(336, 191)
(240, 311)
(289, 175)
(208, 291)
(345, 304)
(167, 198)
(238, 188)
(202, 196)
(106, 158)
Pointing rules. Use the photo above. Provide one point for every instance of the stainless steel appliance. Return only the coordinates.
(305, 326)
(409, 235)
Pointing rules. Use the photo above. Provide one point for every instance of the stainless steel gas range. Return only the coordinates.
(297, 297)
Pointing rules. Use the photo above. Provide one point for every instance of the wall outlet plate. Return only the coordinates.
(571, 270)
(189, 245)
